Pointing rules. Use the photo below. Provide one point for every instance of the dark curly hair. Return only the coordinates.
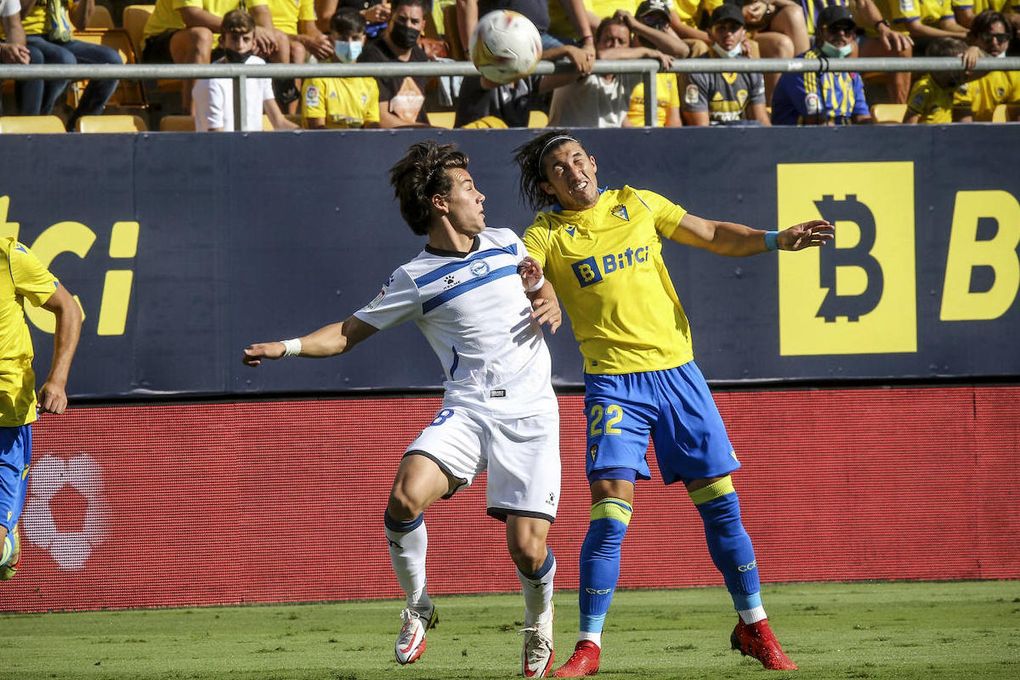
(529, 159)
(420, 175)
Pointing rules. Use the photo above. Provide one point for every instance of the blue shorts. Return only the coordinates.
(674, 407)
(15, 457)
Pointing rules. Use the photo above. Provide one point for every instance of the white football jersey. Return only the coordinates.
(474, 313)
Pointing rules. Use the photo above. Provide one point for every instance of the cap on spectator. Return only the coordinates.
(836, 14)
(727, 12)
(651, 7)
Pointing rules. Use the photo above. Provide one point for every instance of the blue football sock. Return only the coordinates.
(728, 542)
(600, 560)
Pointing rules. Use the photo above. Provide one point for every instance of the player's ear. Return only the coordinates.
(594, 163)
(439, 204)
(547, 188)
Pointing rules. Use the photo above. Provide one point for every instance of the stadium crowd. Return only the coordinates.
(580, 32)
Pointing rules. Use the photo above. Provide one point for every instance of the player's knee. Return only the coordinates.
(403, 505)
(529, 553)
(718, 504)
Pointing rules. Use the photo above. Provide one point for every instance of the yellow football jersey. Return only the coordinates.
(22, 277)
(606, 265)
(166, 17)
(35, 23)
(982, 95)
(931, 101)
(667, 97)
(343, 102)
(287, 14)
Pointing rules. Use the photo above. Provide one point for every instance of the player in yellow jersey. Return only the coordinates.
(23, 277)
(602, 251)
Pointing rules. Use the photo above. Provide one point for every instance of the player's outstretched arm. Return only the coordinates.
(53, 394)
(544, 302)
(738, 240)
(336, 338)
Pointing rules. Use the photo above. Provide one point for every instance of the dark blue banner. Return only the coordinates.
(183, 248)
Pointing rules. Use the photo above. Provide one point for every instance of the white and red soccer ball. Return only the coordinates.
(505, 46)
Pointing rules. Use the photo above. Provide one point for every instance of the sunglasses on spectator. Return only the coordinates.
(997, 37)
(845, 29)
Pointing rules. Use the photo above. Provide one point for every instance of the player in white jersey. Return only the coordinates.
(470, 292)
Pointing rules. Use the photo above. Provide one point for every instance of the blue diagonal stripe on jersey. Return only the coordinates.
(451, 293)
(437, 274)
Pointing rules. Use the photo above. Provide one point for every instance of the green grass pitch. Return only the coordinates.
(959, 630)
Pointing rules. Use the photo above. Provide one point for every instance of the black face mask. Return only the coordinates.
(235, 57)
(403, 36)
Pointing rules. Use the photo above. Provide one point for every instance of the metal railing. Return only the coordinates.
(648, 68)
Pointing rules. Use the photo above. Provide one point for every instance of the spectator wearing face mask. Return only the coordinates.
(342, 102)
(725, 98)
(818, 97)
(401, 98)
(931, 98)
(214, 98)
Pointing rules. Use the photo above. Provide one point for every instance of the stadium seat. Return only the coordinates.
(442, 119)
(177, 124)
(101, 18)
(486, 122)
(134, 19)
(888, 113)
(25, 125)
(267, 125)
(538, 119)
(1000, 114)
(129, 92)
(457, 51)
(111, 123)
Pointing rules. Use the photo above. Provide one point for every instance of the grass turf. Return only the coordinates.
(849, 630)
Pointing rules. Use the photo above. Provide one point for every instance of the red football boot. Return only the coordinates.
(583, 662)
(757, 640)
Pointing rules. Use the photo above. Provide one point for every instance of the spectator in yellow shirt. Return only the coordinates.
(342, 102)
(931, 98)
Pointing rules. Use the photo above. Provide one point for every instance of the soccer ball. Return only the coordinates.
(505, 46)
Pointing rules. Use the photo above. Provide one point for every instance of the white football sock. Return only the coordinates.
(407, 554)
(538, 593)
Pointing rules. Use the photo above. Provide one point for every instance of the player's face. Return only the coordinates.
(614, 35)
(239, 42)
(464, 203)
(727, 34)
(570, 176)
(996, 40)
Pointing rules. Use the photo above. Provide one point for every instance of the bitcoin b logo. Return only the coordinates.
(855, 295)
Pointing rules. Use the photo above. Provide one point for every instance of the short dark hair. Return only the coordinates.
(606, 23)
(945, 46)
(983, 23)
(420, 175)
(347, 21)
(237, 21)
(414, 3)
(529, 160)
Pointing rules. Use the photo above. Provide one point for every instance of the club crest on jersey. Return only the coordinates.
(621, 212)
(479, 268)
(570, 230)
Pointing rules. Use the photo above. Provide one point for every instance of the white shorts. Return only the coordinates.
(522, 456)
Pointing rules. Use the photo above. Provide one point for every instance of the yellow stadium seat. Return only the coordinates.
(101, 18)
(1000, 114)
(267, 125)
(441, 119)
(537, 119)
(486, 122)
(888, 113)
(134, 19)
(24, 125)
(128, 92)
(177, 124)
(111, 123)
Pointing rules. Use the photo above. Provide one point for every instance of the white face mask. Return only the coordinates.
(728, 54)
(834, 52)
(1001, 55)
(347, 51)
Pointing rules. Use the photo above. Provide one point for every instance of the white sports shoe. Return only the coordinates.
(537, 655)
(411, 640)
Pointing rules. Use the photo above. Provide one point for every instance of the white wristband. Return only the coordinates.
(538, 286)
(291, 348)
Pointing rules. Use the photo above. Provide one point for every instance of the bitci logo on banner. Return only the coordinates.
(857, 294)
